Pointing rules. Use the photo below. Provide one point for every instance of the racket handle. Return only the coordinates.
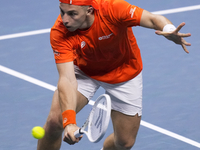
(78, 133)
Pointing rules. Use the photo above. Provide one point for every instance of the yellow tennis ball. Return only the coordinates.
(38, 132)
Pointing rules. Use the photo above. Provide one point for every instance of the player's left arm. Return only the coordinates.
(164, 26)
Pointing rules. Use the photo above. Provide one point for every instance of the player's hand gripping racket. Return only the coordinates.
(98, 120)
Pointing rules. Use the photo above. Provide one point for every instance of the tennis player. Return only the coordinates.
(94, 46)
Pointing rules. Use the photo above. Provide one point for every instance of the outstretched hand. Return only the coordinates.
(176, 37)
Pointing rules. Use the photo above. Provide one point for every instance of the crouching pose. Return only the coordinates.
(94, 45)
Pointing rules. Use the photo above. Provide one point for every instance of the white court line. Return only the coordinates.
(27, 78)
(171, 134)
(163, 12)
(16, 35)
(52, 88)
(177, 10)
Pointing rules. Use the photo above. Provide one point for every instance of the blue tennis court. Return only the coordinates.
(28, 74)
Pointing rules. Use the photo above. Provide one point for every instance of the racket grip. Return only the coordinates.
(78, 133)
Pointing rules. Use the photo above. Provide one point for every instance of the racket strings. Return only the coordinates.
(98, 119)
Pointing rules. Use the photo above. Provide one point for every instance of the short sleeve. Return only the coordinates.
(61, 45)
(125, 13)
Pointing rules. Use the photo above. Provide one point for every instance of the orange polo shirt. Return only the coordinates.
(108, 50)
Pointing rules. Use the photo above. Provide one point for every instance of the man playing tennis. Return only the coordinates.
(94, 46)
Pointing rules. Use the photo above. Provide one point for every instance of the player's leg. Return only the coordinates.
(126, 113)
(53, 126)
(125, 132)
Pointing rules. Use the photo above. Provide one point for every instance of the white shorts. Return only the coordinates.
(126, 97)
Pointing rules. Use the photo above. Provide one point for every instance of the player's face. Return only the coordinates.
(73, 16)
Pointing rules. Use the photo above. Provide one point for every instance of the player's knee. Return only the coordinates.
(54, 124)
(53, 127)
(125, 144)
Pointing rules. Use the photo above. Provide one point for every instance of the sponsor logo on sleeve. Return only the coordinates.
(132, 11)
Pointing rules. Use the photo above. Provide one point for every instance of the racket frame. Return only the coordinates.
(82, 130)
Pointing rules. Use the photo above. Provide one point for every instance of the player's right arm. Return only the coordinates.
(67, 89)
(67, 86)
(62, 46)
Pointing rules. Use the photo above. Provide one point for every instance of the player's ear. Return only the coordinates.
(90, 10)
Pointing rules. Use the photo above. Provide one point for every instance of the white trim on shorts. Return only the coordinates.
(126, 97)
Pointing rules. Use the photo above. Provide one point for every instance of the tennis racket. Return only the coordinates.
(97, 121)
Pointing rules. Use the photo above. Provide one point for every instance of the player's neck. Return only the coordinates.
(88, 22)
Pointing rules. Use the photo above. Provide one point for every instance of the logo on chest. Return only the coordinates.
(105, 37)
(83, 44)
